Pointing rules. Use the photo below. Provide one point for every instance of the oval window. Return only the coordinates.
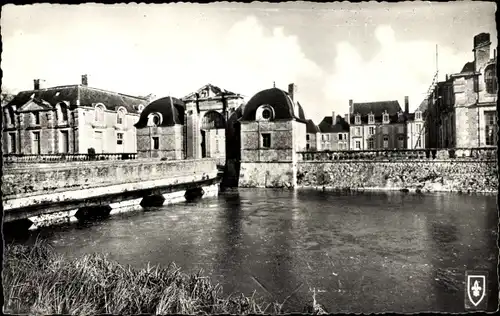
(266, 114)
(156, 120)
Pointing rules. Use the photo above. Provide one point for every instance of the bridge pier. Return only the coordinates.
(155, 199)
(17, 228)
(93, 212)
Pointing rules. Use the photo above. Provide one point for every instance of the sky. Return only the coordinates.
(333, 52)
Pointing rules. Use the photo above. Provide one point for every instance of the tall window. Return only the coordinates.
(401, 141)
(35, 148)
(491, 128)
(64, 142)
(371, 130)
(358, 144)
(358, 131)
(307, 146)
(307, 136)
(12, 143)
(371, 119)
(155, 142)
(419, 142)
(62, 112)
(340, 136)
(36, 118)
(357, 119)
(490, 79)
(266, 140)
(99, 113)
(418, 128)
(119, 138)
(386, 141)
(371, 143)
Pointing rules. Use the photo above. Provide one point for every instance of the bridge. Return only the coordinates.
(95, 187)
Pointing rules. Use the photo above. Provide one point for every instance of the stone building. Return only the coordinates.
(70, 119)
(416, 127)
(161, 130)
(377, 125)
(207, 111)
(463, 107)
(273, 130)
(334, 135)
(312, 136)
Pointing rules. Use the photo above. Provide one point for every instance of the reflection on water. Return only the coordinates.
(369, 252)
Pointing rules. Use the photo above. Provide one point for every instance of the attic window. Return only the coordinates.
(58, 93)
(371, 119)
(154, 119)
(418, 115)
(386, 118)
(32, 96)
(140, 108)
(357, 119)
(99, 113)
(120, 116)
(265, 112)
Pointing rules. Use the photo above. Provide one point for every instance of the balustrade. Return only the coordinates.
(483, 153)
(48, 158)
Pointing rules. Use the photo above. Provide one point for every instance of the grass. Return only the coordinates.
(38, 281)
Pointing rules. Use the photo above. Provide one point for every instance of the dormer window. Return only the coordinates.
(418, 115)
(371, 119)
(99, 113)
(385, 118)
(140, 108)
(357, 119)
(154, 119)
(62, 112)
(265, 113)
(120, 116)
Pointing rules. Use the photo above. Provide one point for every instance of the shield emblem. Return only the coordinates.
(476, 288)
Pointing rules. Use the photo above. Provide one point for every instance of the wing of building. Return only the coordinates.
(70, 119)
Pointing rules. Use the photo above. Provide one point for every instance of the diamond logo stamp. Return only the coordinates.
(476, 289)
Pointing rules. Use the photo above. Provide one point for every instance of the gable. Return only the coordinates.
(32, 106)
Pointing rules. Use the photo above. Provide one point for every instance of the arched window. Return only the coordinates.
(99, 113)
(120, 116)
(490, 79)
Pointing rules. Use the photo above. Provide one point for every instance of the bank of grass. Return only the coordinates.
(39, 281)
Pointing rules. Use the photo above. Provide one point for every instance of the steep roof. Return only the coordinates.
(327, 126)
(377, 108)
(468, 67)
(280, 101)
(171, 110)
(311, 128)
(88, 97)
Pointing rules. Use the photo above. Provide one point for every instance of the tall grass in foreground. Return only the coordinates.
(38, 281)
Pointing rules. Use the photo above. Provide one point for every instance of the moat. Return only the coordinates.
(361, 252)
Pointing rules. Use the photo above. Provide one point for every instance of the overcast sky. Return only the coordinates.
(333, 52)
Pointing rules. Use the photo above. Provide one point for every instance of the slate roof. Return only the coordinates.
(468, 67)
(377, 108)
(311, 128)
(171, 110)
(280, 101)
(327, 126)
(88, 97)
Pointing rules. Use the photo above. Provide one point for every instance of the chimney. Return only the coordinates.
(85, 80)
(36, 84)
(407, 105)
(292, 89)
(334, 120)
(346, 117)
(351, 106)
(481, 50)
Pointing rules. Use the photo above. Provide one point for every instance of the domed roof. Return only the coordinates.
(171, 110)
(278, 99)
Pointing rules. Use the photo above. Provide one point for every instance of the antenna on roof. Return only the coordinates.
(274, 84)
(437, 68)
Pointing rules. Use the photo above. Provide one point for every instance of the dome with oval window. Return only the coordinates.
(170, 112)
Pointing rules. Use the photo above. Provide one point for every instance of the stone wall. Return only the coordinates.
(33, 179)
(267, 174)
(445, 175)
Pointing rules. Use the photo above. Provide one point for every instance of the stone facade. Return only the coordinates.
(170, 142)
(463, 107)
(70, 119)
(377, 125)
(334, 133)
(447, 175)
(207, 110)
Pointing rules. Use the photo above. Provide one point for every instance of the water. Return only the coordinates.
(366, 252)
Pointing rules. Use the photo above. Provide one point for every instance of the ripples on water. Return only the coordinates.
(365, 252)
